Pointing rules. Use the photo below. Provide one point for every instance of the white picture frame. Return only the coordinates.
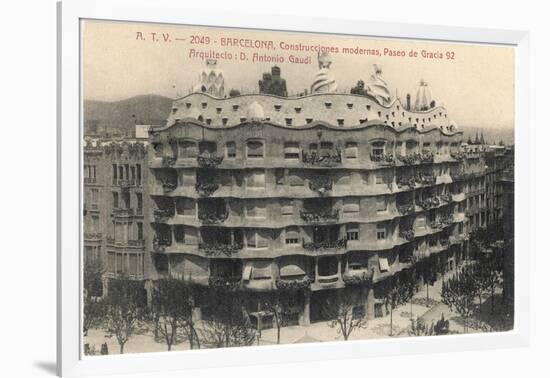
(70, 360)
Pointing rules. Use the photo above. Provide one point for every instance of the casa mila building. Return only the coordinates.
(316, 194)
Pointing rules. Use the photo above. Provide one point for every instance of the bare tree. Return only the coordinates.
(171, 309)
(398, 293)
(123, 309)
(229, 325)
(340, 309)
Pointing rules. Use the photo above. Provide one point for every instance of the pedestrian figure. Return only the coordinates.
(104, 349)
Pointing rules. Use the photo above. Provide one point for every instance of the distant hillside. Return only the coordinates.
(122, 116)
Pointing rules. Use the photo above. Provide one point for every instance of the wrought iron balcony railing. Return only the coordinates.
(430, 203)
(162, 215)
(209, 161)
(123, 212)
(405, 209)
(323, 159)
(212, 217)
(206, 189)
(385, 159)
(315, 246)
(320, 184)
(407, 234)
(219, 249)
(320, 216)
(168, 161)
(293, 284)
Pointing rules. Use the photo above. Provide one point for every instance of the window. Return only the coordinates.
(115, 175)
(115, 200)
(288, 121)
(351, 205)
(381, 204)
(352, 232)
(380, 233)
(351, 150)
(256, 239)
(292, 150)
(377, 148)
(279, 176)
(188, 149)
(185, 207)
(256, 209)
(139, 231)
(138, 174)
(379, 178)
(461, 228)
(179, 233)
(287, 208)
(139, 200)
(327, 145)
(231, 150)
(292, 236)
(255, 149)
(256, 179)
(340, 122)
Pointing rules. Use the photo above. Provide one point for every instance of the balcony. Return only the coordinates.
(406, 182)
(293, 284)
(126, 184)
(383, 159)
(209, 161)
(226, 282)
(328, 280)
(407, 234)
(162, 215)
(206, 189)
(216, 249)
(426, 179)
(446, 198)
(416, 158)
(405, 209)
(459, 156)
(320, 216)
(168, 186)
(167, 161)
(93, 235)
(324, 245)
(323, 159)
(122, 212)
(89, 180)
(430, 203)
(320, 184)
(136, 243)
(357, 277)
(212, 217)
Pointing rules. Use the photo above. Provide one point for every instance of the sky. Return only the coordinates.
(122, 59)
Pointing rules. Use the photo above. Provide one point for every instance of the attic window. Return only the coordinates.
(277, 107)
(429, 120)
(188, 105)
(368, 107)
(288, 121)
(340, 122)
(328, 105)
(397, 107)
(174, 110)
(393, 123)
(204, 104)
(218, 110)
(410, 119)
(235, 107)
(393, 114)
(243, 119)
(387, 116)
(440, 114)
(350, 106)
(379, 114)
(200, 118)
(403, 114)
(298, 109)
(208, 121)
(309, 120)
(224, 121)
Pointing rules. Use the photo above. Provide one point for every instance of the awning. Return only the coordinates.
(291, 270)
(247, 272)
(384, 266)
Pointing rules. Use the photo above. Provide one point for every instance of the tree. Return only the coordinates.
(420, 328)
(123, 309)
(398, 293)
(459, 292)
(229, 324)
(441, 327)
(278, 304)
(339, 308)
(93, 306)
(492, 279)
(172, 309)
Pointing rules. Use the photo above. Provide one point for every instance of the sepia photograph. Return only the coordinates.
(246, 187)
